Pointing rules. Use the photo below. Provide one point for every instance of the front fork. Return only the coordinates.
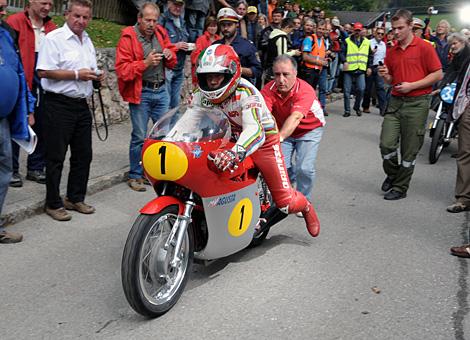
(179, 230)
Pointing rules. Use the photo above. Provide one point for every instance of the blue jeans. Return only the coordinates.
(306, 149)
(195, 23)
(332, 75)
(359, 93)
(322, 86)
(174, 81)
(154, 103)
(377, 80)
(5, 160)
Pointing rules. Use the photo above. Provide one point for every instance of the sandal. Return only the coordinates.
(457, 207)
(10, 237)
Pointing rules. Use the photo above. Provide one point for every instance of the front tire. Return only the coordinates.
(437, 142)
(151, 284)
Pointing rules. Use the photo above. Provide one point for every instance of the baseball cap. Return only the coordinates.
(317, 9)
(358, 26)
(227, 14)
(335, 22)
(418, 23)
(252, 9)
(179, 2)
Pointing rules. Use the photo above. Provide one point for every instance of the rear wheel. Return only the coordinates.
(437, 142)
(152, 283)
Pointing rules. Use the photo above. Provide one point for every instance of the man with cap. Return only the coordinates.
(252, 26)
(356, 57)
(173, 21)
(228, 21)
(418, 30)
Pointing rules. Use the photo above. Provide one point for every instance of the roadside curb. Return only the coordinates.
(95, 185)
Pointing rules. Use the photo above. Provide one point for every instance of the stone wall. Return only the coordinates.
(116, 109)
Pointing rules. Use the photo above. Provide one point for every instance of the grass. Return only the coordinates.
(452, 18)
(103, 33)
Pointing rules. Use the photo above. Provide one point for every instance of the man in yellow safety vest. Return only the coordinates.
(357, 58)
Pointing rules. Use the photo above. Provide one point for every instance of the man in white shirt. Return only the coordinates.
(378, 47)
(67, 66)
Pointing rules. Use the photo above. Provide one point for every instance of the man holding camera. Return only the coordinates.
(143, 53)
(67, 66)
(411, 67)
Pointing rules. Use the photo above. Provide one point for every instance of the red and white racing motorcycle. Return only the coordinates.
(198, 214)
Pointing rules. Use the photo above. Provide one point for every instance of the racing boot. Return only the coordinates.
(269, 218)
(300, 203)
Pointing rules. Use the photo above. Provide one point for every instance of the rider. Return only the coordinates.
(221, 85)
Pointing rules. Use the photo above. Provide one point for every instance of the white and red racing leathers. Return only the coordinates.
(257, 134)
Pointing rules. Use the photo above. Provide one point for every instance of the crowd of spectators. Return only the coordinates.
(330, 56)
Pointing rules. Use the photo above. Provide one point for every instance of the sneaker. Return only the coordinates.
(366, 110)
(462, 251)
(136, 184)
(16, 181)
(59, 214)
(358, 113)
(9, 236)
(457, 207)
(346, 114)
(325, 113)
(81, 207)
(394, 195)
(37, 176)
(387, 184)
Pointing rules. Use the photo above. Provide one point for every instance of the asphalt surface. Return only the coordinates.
(378, 270)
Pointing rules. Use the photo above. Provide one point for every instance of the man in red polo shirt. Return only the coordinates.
(412, 67)
(299, 115)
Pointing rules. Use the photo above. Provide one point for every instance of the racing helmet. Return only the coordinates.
(218, 59)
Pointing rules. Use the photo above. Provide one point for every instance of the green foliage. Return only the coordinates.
(452, 18)
(344, 5)
(103, 33)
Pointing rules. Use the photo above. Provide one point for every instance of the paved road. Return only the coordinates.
(379, 270)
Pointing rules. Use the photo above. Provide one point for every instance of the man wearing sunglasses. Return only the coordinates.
(379, 49)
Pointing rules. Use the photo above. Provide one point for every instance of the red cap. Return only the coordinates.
(358, 26)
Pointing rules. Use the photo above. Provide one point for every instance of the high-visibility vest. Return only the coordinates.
(318, 52)
(356, 57)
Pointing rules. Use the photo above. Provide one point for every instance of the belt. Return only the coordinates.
(411, 99)
(152, 85)
(64, 97)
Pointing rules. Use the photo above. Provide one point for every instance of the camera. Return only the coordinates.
(97, 83)
(431, 10)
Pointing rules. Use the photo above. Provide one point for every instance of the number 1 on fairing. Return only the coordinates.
(162, 153)
(242, 212)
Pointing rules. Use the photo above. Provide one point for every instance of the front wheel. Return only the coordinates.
(437, 142)
(152, 283)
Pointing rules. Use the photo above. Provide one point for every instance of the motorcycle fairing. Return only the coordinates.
(185, 163)
(159, 203)
(231, 220)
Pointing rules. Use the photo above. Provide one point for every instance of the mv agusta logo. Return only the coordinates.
(222, 201)
(280, 166)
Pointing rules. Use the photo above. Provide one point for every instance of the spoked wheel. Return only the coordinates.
(152, 282)
(437, 143)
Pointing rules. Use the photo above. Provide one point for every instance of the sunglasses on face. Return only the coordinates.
(380, 33)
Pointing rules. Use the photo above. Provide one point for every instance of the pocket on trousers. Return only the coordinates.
(393, 105)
